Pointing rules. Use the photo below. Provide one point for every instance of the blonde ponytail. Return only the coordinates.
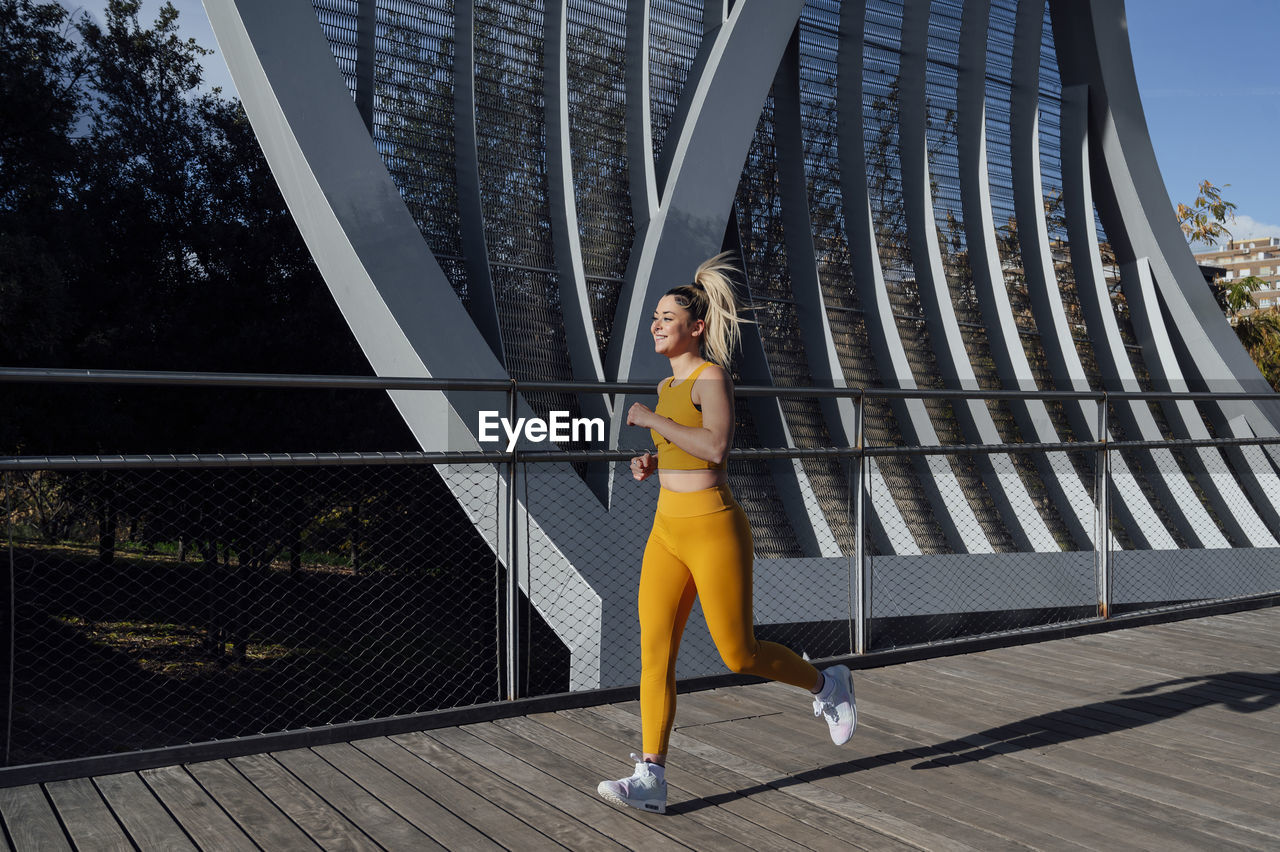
(710, 298)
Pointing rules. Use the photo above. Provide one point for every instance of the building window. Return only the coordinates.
(1264, 303)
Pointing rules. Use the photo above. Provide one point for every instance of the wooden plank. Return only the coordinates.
(415, 805)
(147, 821)
(988, 796)
(1161, 705)
(206, 823)
(756, 798)
(30, 820)
(85, 816)
(269, 827)
(978, 816)
(1238, 750)
(924, 712)
(379, 822)
(677, 828)
(459, 799)
(704, 792)
(945, 707)
(323, 824)
(593, 765)
(514, 799)
(477, 743)
(1165, 746)
(880, 813)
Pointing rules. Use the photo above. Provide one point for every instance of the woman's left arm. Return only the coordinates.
(713, 393)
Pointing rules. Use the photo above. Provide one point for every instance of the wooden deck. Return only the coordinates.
(1160, 737)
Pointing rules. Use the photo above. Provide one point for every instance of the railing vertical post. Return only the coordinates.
(859, 531)
(11, 601)
(1103, 538)
(513, 557)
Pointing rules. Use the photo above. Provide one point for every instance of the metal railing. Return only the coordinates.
(163, 599)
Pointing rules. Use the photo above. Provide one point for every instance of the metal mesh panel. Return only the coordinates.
(511, 138)
(929, 598)
(759, 206)
(511, 141)
(338, 20)
(533, 333)
(675, 33)
(1148, 579)
(160, 607)
(597, 129)
(413, 125)
(754, 489)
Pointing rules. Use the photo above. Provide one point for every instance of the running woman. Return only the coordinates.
(700, 544)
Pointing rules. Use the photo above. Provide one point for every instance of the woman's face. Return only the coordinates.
(674, 329)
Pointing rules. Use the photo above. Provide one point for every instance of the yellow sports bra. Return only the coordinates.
(677, 404)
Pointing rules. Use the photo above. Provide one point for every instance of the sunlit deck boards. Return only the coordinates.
(1160, 737)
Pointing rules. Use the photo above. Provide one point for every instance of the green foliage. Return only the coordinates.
(1259, 332)
(140, 228)
(1237, 295)
(1206, 220)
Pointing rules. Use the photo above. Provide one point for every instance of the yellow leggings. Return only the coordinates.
(700, 545)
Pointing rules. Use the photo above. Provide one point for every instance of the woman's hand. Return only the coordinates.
(639, 414)
(642, 467)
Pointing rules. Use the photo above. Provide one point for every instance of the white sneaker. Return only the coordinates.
(836, 703)
(646, 789)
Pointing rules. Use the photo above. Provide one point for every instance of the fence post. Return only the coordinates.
(859, 531)
(513, 567)
(11, 600)
(1103, 538)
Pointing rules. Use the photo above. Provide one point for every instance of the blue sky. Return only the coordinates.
(1210, 87)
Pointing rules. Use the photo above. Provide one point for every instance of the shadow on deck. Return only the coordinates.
(1163, 736)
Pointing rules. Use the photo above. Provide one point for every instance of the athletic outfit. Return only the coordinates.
(700, 545)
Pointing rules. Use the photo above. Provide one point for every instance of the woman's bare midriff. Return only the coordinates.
(692, 480)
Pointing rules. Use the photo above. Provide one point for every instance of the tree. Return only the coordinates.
(1205, 221)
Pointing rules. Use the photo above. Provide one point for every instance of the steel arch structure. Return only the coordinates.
(925, 193)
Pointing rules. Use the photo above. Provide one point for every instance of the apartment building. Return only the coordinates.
(1258, 257)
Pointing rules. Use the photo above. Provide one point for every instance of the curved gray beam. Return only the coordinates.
(942, 490)
(1132, 510)
(698, 175)
(366, 56)
(1094, 40)
(640, 168)
(795, 492)
(1142, 226)
(405, 315)
(1004, 485)
(1219, 484)
(714, 13)
(706, 147)
(889, 530)
(575, 300)
(475, 252)
(1055, 469)
(1160, 467)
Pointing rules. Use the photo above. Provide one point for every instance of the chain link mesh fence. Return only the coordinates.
(155, 607)
(1010, 560)
(160, 602)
